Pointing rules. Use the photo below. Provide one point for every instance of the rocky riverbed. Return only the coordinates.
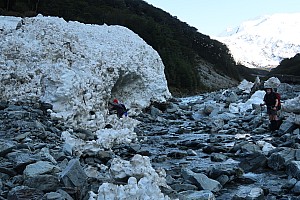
(192, 148)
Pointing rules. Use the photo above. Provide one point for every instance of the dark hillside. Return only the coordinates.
(179, 45)
(288, 66)
(288, 70)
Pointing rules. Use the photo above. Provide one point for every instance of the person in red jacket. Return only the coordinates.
(119, 107)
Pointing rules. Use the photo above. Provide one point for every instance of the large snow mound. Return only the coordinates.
(77, 67)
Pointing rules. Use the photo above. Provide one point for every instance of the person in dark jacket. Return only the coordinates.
(271, 101)
(119, 107)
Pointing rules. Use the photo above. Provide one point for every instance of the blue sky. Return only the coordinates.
(212, 17)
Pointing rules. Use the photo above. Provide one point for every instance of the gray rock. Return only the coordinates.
(297, 154)
(296, 188)
(20, 160)
(249, 193)
(105, 156)
(24, 192)
(64, 194)
(292, 105)
(208, 109)
(217, 157)
(7, 170)
(293, 169)
(155, 112)
(201, 180)
(1, 185)
(45, 183)
(172, 108)
(177, 154)
(290, 184)
(6, 147)
(198, 195)
(22, 136)
(67, 149)
(272, 82)
(40, 168)
(223, 179)
(231, 98)
(250, 148)
(73, 175)
(253, 162)
(287, 127)
(53, 196)
(183, 187)
(279, 160)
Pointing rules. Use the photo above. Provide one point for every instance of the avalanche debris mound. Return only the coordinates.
(77, 67)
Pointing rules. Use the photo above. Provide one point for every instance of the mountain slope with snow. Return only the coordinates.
(264, 42)
(77, 67)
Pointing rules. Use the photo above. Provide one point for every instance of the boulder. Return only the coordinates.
(201, 180)
(198, 195)
(253, 161)
(73, 175)
(24, 192)
(280, 159)
(40, 168)
(272, 82)
(248, 193)
(293, 169)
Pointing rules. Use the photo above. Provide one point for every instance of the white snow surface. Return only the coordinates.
(143, 183)
(78, 67)
(265, 41)
(245, 86)
(256, 98)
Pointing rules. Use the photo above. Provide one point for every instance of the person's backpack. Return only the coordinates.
(279, 103)
(124, 109)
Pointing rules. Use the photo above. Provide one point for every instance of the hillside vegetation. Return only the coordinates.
(288, 70)
(180, 46)
(288, 66)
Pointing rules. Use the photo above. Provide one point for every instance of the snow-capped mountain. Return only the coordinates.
(265, 41)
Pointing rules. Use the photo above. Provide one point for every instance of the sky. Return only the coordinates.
(212, 17)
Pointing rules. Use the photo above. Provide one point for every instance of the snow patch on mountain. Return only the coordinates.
(265, 41)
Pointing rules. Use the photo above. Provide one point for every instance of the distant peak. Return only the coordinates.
(265, 40)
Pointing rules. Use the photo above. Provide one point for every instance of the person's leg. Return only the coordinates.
(274, 123)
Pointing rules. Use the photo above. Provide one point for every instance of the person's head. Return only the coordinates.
(268, 90)
(116, 101)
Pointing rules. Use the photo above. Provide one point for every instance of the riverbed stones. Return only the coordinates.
(239, 152)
